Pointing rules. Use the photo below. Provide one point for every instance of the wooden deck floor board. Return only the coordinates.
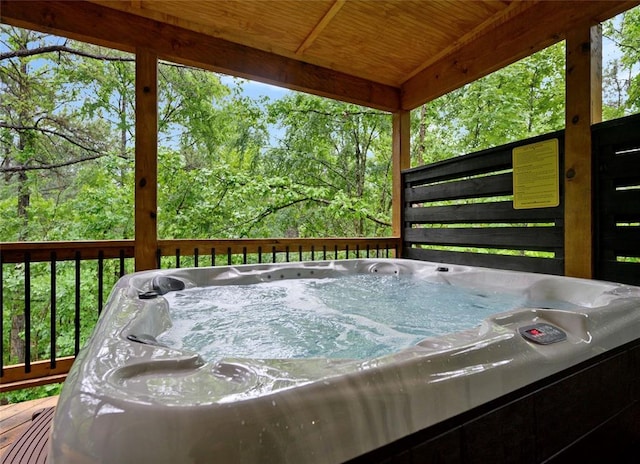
(16, 418)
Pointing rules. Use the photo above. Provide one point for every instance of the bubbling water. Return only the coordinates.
(357, 316)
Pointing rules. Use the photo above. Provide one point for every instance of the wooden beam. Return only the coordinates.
(146, 171)
(322, 24)
(105, 26)
(583, 108)
(401, 159)
(528, 32)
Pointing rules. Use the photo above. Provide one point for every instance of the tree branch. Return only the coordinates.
(50, 132)
(21, 53)
(23, 168)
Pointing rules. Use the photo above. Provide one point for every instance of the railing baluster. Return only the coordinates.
(195, 257)
(286, 255)
(27, 312)
(346, 252)
(259, 255)
(273, 252)
(367, 250)
(313, 255)
(53, 310)
(77, 307)
(100, 280)
(229, 256)
(357, 251)
(159, 258)
(122, 269)
(324, 252)
(244, 255)
(213, 256)
(178, 258)
(300, 253)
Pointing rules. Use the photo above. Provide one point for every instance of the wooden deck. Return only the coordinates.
(16, 418)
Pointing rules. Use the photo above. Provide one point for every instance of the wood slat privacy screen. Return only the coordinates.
(460, 211)
(616, 149)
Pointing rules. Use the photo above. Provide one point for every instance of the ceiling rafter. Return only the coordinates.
(322, 24)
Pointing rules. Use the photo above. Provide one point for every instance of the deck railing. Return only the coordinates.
(51, 293)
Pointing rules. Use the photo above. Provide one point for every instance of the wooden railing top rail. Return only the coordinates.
(14, 252)
(239, 246)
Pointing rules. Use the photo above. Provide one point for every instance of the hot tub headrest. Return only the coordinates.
(164, 284)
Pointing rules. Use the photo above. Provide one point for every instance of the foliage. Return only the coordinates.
(517, 102)
(621, 79)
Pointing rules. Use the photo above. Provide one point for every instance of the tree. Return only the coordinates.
(336, 159)
(49, 135)
(519, 101)
(621, 79)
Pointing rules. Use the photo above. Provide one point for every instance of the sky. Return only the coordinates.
(254, 89)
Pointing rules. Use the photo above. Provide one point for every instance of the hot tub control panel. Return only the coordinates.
(542, 333)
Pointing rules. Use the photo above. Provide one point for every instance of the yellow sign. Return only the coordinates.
(536, 177)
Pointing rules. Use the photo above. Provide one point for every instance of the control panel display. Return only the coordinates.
(542, 333)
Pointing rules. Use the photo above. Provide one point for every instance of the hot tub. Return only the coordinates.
(132, 397)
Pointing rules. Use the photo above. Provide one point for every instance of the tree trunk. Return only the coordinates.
(17, 341)
(422, 134)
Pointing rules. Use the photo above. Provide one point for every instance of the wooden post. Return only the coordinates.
(146, 191)
(401, 159)
(583, 108)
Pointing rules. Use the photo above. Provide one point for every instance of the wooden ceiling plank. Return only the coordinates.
(510, 11)
(523, 35)
(108, 27)
(317, 30)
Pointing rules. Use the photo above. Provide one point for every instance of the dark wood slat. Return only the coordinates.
(614, 271)
(487, 186)
(623, 169)
(622, 240)
(617, 169)
(518, 238)
(482, 213)
(623, 203)
(490, 160)
(468, 165)
(617, 132)
(514, 263)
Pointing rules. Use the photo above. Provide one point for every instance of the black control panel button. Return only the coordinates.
(542, 333)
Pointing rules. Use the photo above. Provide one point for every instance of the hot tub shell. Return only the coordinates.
(125, 401)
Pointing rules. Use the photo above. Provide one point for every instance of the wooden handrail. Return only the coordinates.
(13, 252)
(239, 246)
